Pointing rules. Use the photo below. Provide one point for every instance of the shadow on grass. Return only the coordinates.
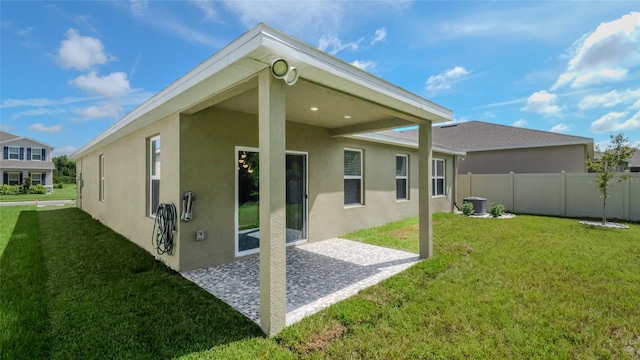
(94, 294)
(23, 301)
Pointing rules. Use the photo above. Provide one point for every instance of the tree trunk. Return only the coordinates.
(604, 214)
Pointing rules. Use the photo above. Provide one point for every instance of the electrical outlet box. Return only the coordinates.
(199, 235)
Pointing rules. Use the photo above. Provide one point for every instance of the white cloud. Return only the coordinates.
(81, 52)
(291, 16)
(380, 35)
(610, 99)
(102, 111)
(63, 150)
(112, 85)
(207, 8)
(613, 121)
(333, 45)
(520, 123)
(604, 55)
(47, 129)
(560, 128)
(542, 102)
(38, 112)
(6, 127)
(599, 76)
(446, 79)
(39, 102)
(366, 65)
(139, 7)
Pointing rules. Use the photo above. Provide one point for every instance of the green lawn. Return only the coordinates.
(528, 287)
(68, 192)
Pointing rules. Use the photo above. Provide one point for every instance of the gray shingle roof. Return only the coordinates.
(6, 136)
(482, 136)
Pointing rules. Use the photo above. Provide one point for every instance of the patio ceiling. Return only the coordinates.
(317, 105)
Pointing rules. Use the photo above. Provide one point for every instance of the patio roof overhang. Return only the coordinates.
(229, 79)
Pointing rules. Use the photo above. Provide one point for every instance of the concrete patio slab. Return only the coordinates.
(318, 275)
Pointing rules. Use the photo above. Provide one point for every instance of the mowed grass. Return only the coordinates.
(528, 287)
(68, 192)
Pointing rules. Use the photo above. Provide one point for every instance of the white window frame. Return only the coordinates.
(403, 177)
(101, 177)
(355, 177)
(16, 180)
(435, 177)
(39, 182)
(17, 153)
(154, 171)
(39, 152)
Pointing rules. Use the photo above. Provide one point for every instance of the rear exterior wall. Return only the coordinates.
(208, 164)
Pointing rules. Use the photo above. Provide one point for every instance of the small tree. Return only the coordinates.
(619, 151)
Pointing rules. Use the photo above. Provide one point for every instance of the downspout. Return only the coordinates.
(454, 189)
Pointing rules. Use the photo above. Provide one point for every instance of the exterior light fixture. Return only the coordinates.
(280, 69)
(347, 117)
(292, 76)
(313, 108)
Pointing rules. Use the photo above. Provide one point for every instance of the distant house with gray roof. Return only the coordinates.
(499, 149)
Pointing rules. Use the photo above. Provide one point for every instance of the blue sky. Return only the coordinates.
(70, 69)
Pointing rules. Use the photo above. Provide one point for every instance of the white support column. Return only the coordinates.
(271, 120)
(424, 179)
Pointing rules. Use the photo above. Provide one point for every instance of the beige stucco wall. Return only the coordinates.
(208, 164)
(531, 160)
(198, 155)
(125, 206)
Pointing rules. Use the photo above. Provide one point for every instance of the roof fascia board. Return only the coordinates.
(369, 127)
(388, 140)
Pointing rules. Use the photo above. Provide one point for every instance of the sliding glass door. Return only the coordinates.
(248, 199)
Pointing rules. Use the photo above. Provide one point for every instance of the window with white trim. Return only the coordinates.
(402, 177)
(13, 178)
(36, 178)
(154, 174)
(353, 177)
(437, 177)
(14, 153)
(101, 177)
(36, 154)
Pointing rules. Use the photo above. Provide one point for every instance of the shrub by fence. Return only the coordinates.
(571, 195)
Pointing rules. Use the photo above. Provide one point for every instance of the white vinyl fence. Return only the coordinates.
(571, 195)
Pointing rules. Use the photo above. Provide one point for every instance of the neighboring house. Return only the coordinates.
(500, 149)
(633, 165)
(233, 132)
(25, 157)
(444, 165)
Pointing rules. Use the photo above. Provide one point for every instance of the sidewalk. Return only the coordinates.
(39, 203)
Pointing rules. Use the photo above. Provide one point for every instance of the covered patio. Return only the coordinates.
(317, 275)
